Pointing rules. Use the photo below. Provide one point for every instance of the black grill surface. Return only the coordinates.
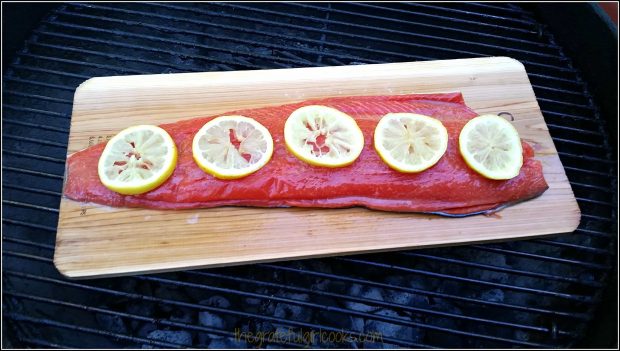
(535, 293)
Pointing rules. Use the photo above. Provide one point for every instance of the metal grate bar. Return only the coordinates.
(590, 186)
(342, 310)
(453, 40)
(566, 103)
(600, 188)
(79, 39)
(85, 64)
(307, 304)
(596, 202)
(484, 16)
(542, 257)
(422, 14)
(38, 157)
(271, 45)
(597, 218)
(152, 48)
(322, 293)
(589, 171)
(594, 232)
(580, 143)
(177, 41)
(563, 115)
(453, 28)
(402, 11)
(571, 297)
(51, 71)
(38, 97)
(35, 141)
(66, 87)
(404, 289)
(227, 38)
(489, 5)
(27, 171)
(45, 344)
(358, 58)
(428, 293)
(28, 224)
(51, 323)
(586, 157)
(281, 299)
(28, 81)
(374, 302)
(572, 246)
(32, 190)
(563, 80)
(27, 256)
(593, 250)
(112, 56)
(440, 48)
(34, 110)
(28, 243)
(129, 316)
(501, 269)
(325, 21)
(36, 207)
(584, 131)
(362, 36)
(557, 90)
(195, 306)
(362, 300)
(35, 125)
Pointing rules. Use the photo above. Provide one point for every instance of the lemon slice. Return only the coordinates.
(491, 146)
(323, 136)
(230, 147)
(137, 160)
(409, 142)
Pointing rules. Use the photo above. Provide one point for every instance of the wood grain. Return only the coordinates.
(98, 241)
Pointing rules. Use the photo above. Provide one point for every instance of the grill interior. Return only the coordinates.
(536, 293)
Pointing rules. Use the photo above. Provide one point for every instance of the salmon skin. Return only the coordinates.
(448, 188)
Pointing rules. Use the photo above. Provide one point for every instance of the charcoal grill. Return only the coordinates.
(536, 293)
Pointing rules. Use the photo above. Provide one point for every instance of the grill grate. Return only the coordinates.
(536, 293)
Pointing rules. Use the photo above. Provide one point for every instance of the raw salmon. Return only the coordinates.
(448, 188)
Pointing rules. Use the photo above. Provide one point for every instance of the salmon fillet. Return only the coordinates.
(448, 188)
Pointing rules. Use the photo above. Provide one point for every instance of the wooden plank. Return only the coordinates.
(96, 241)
